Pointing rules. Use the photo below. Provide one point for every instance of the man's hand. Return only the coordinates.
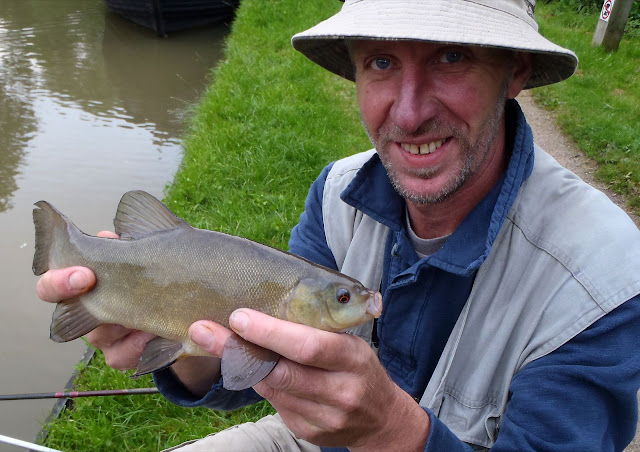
(330, 389)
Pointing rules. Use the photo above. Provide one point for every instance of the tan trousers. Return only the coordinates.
(269, 434)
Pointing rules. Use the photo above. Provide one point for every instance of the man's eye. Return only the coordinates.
(451, 57)
(380, 63)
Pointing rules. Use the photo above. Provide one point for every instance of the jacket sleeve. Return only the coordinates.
(307, 240)
(582, 396)
(217, 398)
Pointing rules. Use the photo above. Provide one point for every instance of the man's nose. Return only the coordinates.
(415, 103)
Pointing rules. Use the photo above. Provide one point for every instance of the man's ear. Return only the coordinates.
(521, 71)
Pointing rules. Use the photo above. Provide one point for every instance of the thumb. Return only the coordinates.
(209, 336)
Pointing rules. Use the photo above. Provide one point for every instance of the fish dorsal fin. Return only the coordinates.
(140, 214)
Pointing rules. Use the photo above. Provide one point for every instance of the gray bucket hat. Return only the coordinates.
(505, 24)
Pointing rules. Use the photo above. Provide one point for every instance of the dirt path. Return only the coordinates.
(548, 136)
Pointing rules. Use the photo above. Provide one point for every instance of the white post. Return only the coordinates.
(613, 18)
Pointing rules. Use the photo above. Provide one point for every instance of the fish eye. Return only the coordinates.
(343, 295)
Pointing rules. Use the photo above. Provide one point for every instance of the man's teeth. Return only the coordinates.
(426, 148)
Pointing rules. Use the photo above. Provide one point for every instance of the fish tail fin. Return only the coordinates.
(47, 221)
(71, 319)
(158, 354)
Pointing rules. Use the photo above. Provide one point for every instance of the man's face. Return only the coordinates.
(434, 113)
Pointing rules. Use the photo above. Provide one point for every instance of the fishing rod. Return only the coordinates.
(25, 444)
(76, 394)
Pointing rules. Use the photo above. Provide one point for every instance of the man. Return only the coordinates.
(510, 287)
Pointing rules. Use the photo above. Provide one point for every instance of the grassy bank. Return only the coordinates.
(599, 107)
(268, 124)
(263, 131)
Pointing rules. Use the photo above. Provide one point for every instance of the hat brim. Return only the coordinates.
(479, 25)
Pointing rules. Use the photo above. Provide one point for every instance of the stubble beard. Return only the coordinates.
(473, 154)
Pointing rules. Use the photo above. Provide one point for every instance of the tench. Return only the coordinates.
(162, 275)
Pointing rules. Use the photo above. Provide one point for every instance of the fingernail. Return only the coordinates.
(78, 281)
(239, 321)
(202, 336)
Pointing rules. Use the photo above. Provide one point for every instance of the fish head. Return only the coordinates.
(331, 303)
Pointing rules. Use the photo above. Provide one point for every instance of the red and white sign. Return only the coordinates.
(606, 10)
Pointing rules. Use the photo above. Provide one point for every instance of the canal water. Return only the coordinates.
(90, 106)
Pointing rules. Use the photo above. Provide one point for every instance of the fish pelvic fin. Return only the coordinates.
(159, 353)
(245, 364)
(51, 226)
(71, 319)
(139, 214)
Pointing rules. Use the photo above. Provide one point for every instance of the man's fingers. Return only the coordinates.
(299, 343)
(107, 335)
(58, 285)
(209, 336)
(299, 381)
(299, 414)
(121, 346)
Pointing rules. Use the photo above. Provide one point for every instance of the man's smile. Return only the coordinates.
(420, 149)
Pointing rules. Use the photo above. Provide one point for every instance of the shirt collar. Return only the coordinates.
(468, 246)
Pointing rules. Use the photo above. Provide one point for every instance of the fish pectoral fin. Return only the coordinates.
(245, 364)
(158, 354)
(139, 215)
(70, 320)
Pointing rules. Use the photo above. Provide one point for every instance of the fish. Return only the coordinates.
(162, 275)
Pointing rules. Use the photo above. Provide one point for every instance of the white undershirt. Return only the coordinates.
(423, 247)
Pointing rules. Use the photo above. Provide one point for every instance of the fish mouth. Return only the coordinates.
(374, 307)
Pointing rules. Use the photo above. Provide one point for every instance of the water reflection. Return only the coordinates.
(16, 115)
(90, 106)
(91, 60)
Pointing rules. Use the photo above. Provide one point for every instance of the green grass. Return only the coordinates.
(270, 121)
(268, 124)
(134, 423)
(599, 107)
